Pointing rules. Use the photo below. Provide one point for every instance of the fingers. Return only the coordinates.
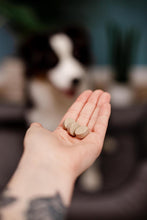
(77, 106)
(36, 124)
(104, 98)
(89, 108)
(101, 124)
(94, 141)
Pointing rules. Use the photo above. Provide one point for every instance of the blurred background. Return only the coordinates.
(118, 40)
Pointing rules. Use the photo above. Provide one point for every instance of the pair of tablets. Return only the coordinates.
(74, 129)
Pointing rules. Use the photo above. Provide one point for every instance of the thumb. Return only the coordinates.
(36, 124)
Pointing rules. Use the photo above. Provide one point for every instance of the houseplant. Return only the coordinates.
(122, 47)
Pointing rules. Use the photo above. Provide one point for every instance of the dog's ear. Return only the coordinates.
(37, 54)
(81, 41)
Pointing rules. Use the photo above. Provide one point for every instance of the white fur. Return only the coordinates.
(50, 102)
(68, 67)
(62, 45)
(49, 98)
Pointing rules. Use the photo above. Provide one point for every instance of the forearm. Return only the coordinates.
(36, 191)
(42, 186)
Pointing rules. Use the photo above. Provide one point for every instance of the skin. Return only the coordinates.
(52, 161)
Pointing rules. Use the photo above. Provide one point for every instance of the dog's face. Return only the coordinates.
(68, 74)
(61, 58)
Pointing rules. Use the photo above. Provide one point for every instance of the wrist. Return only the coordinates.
(35, 178)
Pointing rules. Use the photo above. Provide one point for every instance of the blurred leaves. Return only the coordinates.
(122, 46)
(22, 18)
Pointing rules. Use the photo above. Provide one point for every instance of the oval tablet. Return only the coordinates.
(67, 121)
(82, 132)
(72, 127)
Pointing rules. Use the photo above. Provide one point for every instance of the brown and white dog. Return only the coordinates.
(57, 72)
(56, 68)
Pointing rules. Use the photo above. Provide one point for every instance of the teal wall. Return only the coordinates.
(95, 15)
(7, 42)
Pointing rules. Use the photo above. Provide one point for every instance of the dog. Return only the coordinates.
(57, 72)
(56, 69)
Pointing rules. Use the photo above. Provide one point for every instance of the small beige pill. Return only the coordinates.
(67, 122)
(72, 127)
(82, 132)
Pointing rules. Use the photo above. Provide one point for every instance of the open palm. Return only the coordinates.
(68, 153)
(93, 110)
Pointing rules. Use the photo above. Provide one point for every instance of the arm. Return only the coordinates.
(43, 183)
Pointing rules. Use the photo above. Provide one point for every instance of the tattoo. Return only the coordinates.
(48, 208)
(5, 201)
(51, 208)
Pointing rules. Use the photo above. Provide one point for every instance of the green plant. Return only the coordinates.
(21, 18)
(122, 47)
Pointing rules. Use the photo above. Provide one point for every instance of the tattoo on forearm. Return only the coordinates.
(45, 208)
(5, 201)
(49, 208)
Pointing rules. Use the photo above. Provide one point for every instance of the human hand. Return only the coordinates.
(52, 161)
(67, 154)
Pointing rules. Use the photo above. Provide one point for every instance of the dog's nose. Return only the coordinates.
(75, 82)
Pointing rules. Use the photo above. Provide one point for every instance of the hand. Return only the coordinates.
(52, 161)
(68, 154)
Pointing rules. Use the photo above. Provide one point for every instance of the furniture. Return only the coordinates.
(12, 130)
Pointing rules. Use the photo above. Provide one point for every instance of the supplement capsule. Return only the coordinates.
(72, 127)
(67, 121)
(82, 132)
